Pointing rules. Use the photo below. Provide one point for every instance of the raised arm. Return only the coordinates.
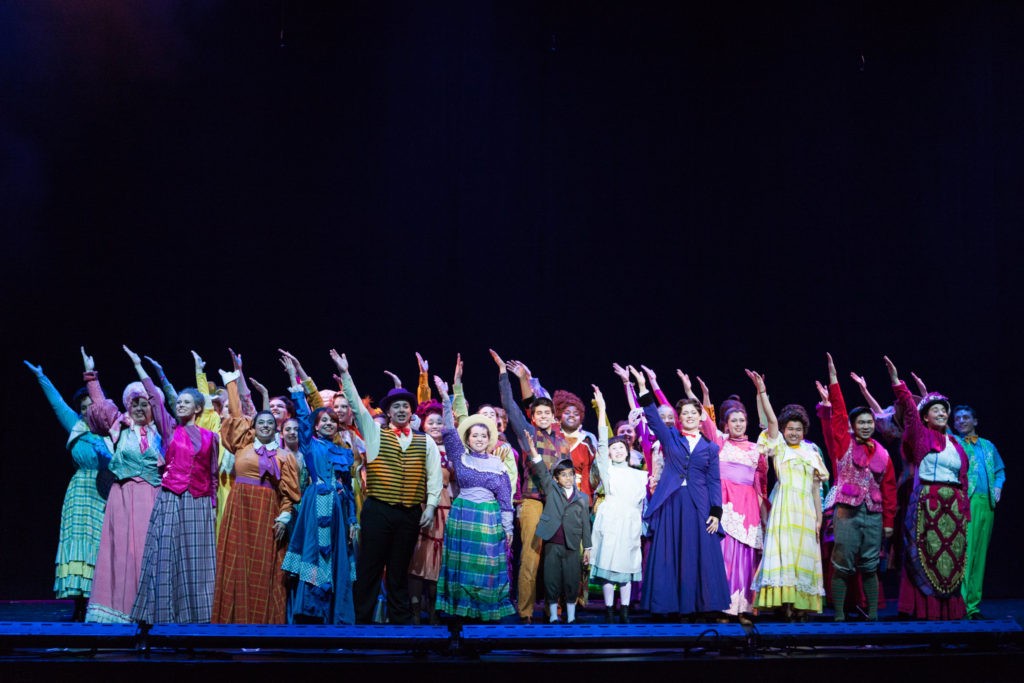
(521, 371)
(161, 418)
(913, 427)
(446, 401)
(170, 393)
(67, 417)
(423, 387)
(516, 418)
(705, 396)
(839, 426)
(623, 374)
(459, 405)
(658, 393)
(874, 406)
(367, 427)
(661, 431)
(262, 391)
(236, 431)
(602, 460)
(244, 394)
(764, 405)
(535, 464)
(303, 415)
(103, 414)
(920, 384)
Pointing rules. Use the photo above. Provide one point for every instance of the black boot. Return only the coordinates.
(609, 615)
(624, 614)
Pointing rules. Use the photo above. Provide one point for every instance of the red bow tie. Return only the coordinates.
(692, 436)
(401, 431)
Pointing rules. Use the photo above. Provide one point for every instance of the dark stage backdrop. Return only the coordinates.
(570, 183)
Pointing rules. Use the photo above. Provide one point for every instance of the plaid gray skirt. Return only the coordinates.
(179, 562)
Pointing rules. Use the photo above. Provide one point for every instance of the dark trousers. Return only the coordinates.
(388, 536)
(562, 569)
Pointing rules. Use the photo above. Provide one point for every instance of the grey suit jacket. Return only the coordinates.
(572, 515)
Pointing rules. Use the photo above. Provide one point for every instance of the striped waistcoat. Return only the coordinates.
(398, 477)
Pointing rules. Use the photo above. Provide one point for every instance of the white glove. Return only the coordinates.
(227, 462)
(427, 518)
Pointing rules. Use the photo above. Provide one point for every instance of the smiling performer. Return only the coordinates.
(403, 472)
(179, 562)
(81, 517)
(934, 529)
(617, 559)
(250, 547)
(319, 553)
(987, 475)
(790, 575)
(134, 464)
(685, 573)
(865, 495)
(474, 580)
(552, 448)
(744, 471)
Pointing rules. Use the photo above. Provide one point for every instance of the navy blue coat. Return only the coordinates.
(698, 469)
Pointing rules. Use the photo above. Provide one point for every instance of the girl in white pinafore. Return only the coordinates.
(616, 558)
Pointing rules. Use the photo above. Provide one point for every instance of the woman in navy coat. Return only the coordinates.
(685, 573)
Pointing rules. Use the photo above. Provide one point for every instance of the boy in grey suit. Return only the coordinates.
(564, 527)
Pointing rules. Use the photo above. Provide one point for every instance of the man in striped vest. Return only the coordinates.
(403, 482)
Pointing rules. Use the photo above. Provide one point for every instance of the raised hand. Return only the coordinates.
(134, 357)
(87, 361)
(289, 368)
(641, 381)
(920, 384)
(832, 377)
(226, 377)
(458, 369)
(822, 393)
(236, 359)
(860, 381)
(651, 375)
(424, 365)
(532, 446)
(757, 379)
(394, 378)
(442, 386)
(518, 369)
(685, 379)
(258, 387)
(893, 375)
(502, 367)
(340, 361)
(152, 361)
(622, 372)
(37, 370)
(705, 394)
(598, 399)
(200, 363)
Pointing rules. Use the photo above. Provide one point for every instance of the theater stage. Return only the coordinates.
(37, 642)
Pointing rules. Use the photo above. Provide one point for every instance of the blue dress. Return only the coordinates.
(685, 572)
(318, 553)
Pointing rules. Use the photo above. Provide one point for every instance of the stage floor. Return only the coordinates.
(37, 642)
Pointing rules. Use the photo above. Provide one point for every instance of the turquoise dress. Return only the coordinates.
(81, 517)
